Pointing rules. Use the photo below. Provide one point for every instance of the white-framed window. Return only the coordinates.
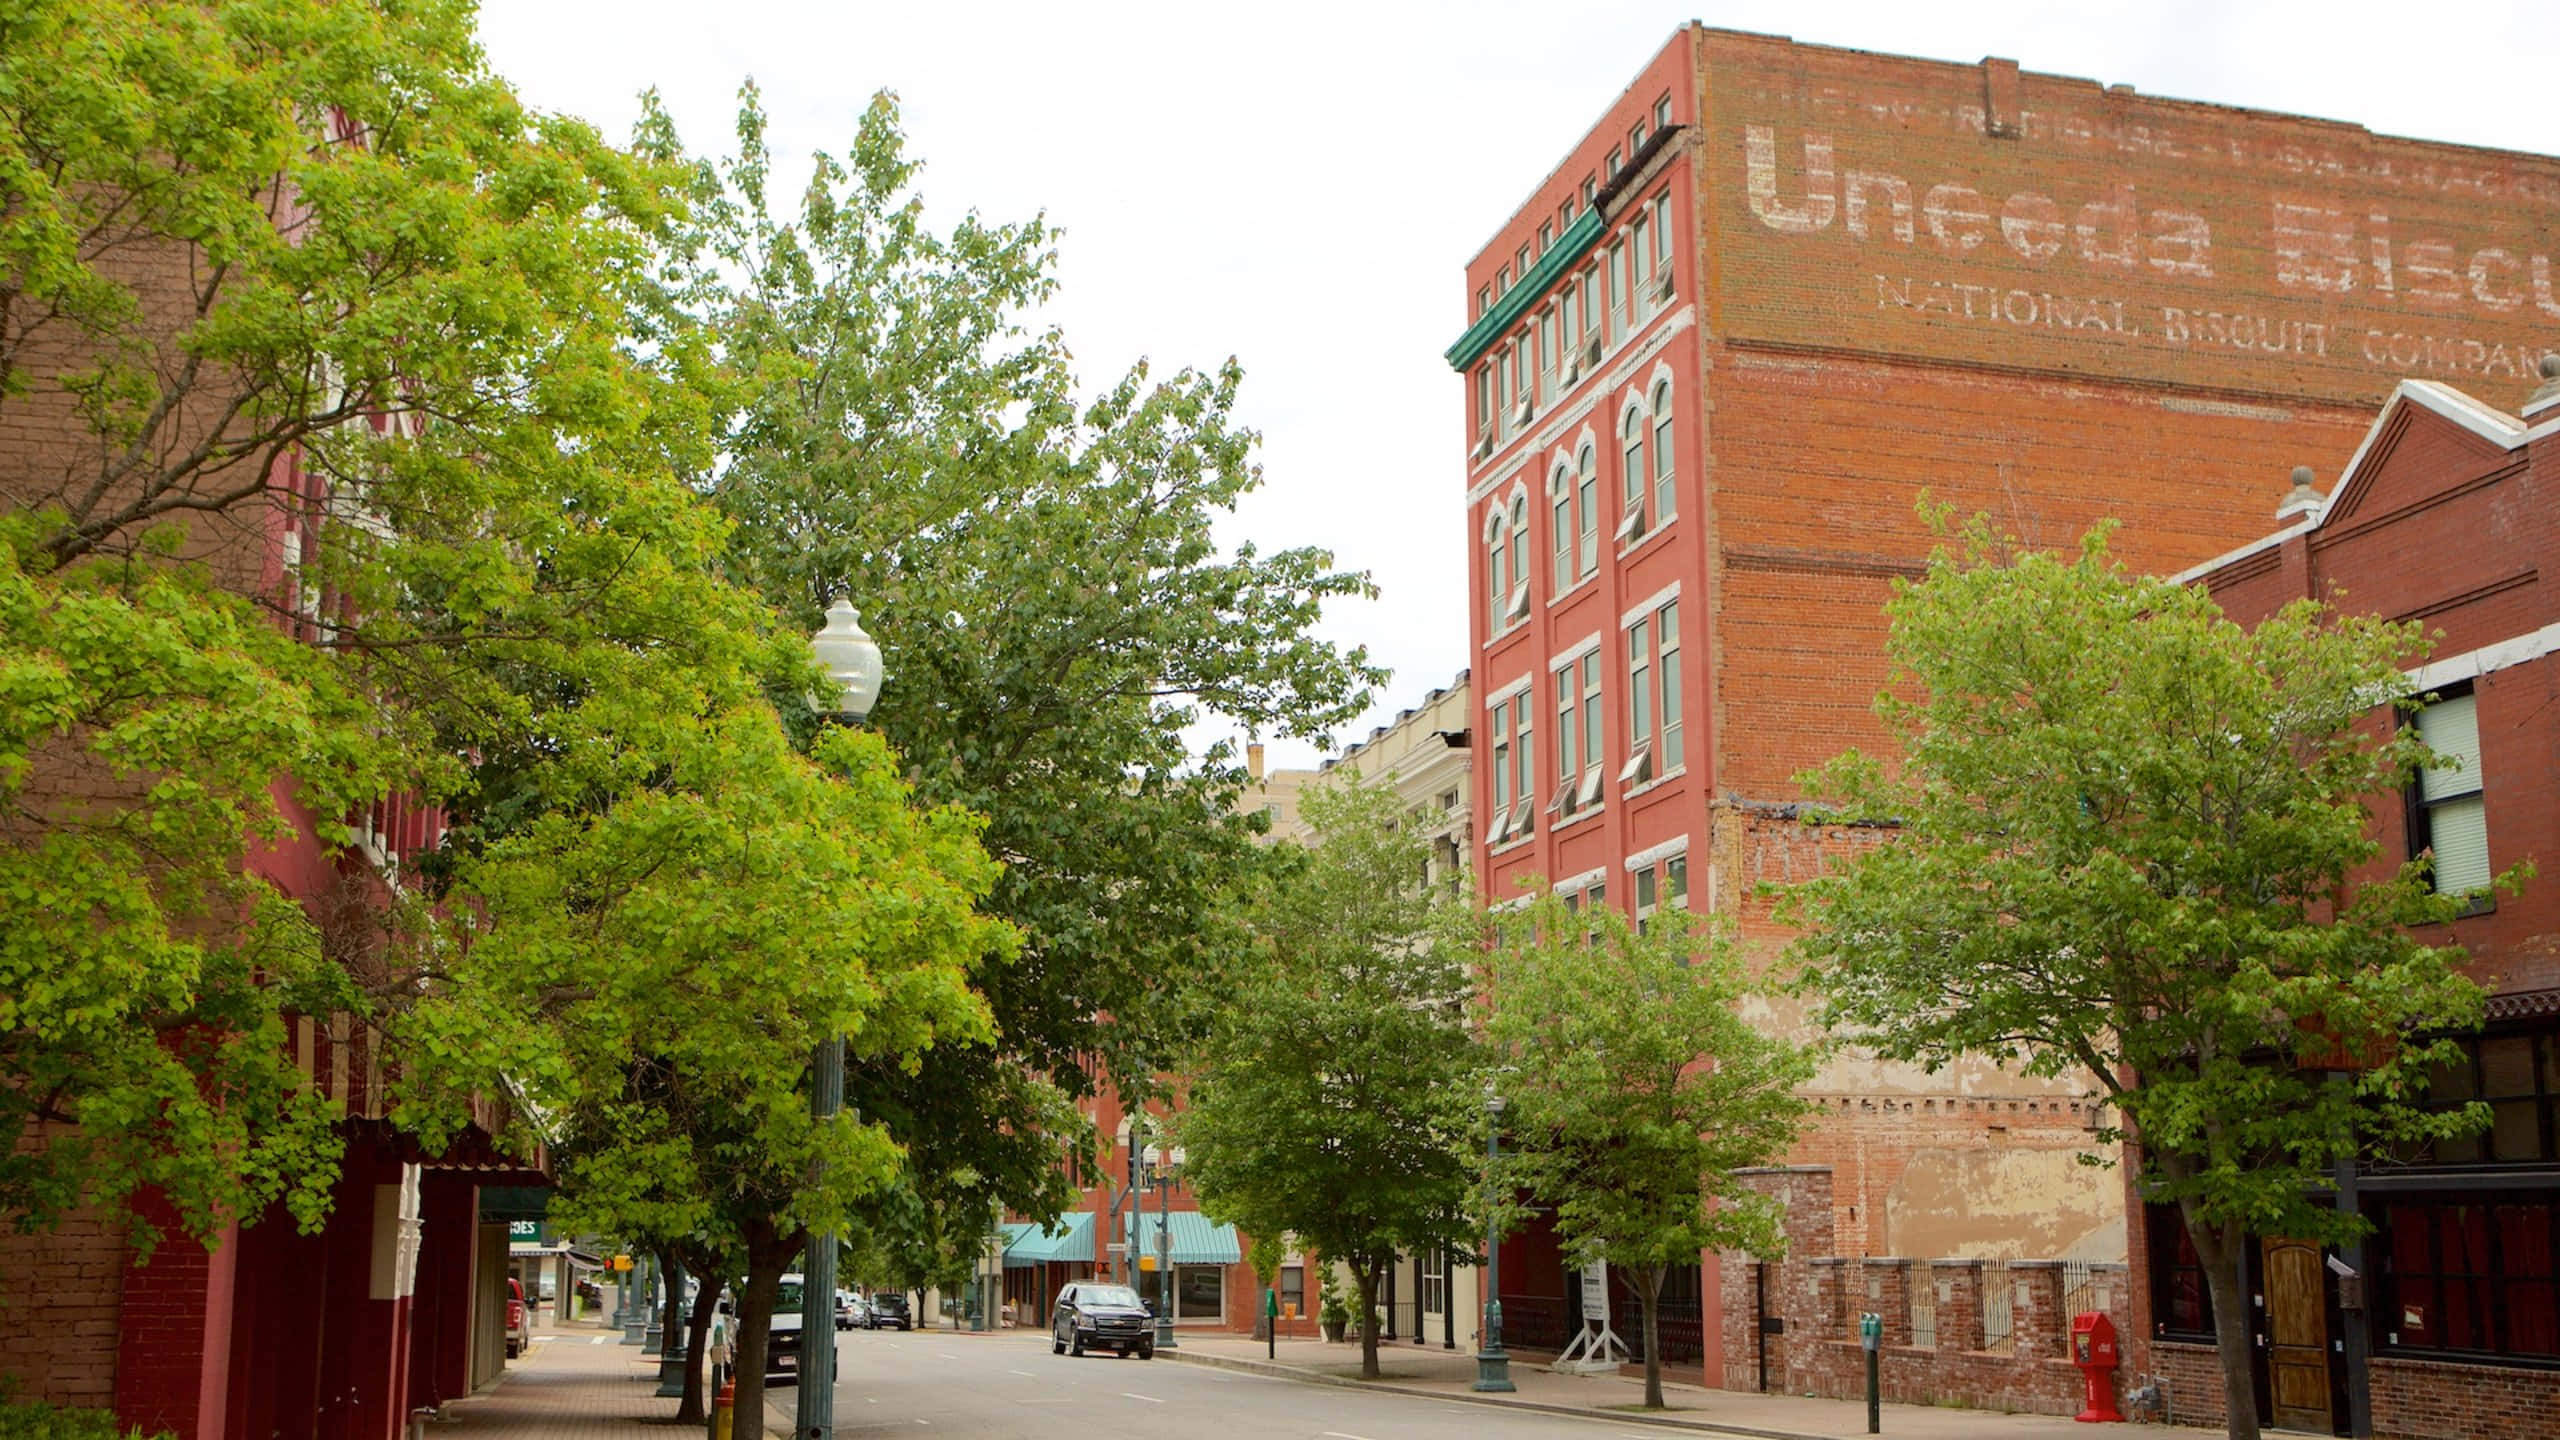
(1524, 773)
(1656, 742)
(1617, 291)
(1521, 262)
(2449, 814)
(1590, 792)
(1662, 885)
(1502, 280)
(1632, 520)
(1615, 164)
(1590, 302)
(1484, 400)
(1662, 231)
(1484, 300)
(1640, 241)
(1666, 675)
(1502, 393)
(1497, 570)
(1662, 113)
(1435, 1282)
(1546, 236)
(1560, 501)
(1499, 721)
(1590, 189)
(1547, 357)
(1635, 138)
(1519, 557)
(1666, 484)
(1587, 485)
(1568, 753)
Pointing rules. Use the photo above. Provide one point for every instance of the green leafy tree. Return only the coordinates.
(1635, 1090)
(1055, 610)
(662, 968)
(1328, 1103)
(299, 267)
(2132, 843)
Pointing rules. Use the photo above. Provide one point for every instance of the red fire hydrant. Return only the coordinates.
(2093, 1349)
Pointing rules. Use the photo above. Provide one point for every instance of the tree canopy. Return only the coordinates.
(1635, 1089)
(337, 473)
(1331, 1102)
(2134, 842)
(1055, 610)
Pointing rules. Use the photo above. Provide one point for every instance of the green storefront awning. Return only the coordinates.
(1028, 1243)
(1197, 1240)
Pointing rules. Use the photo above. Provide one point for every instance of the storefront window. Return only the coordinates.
(2179, 1304)
(1199, 1292)
(1293, 1289)
(2471, 1274)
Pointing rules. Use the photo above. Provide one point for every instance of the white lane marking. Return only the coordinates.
(945, 1354)
(1134, 1395)
(597, 1341)
(1022, 1372)
(1045, 1400)
(1342, 1435)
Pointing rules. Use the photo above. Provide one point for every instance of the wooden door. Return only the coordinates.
(2297, 1336)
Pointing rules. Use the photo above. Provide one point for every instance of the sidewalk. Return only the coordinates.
(568, 1388)
(1446, 1375)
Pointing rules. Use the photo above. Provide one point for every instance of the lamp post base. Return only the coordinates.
(1493, 1372)
(1164, 1335)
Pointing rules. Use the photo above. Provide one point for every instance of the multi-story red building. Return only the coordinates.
(2450, 1324)
(1776, 294)
(397, 1299)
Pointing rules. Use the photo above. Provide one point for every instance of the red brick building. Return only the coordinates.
(2439, 517)
(1774, 294)
(398, 1300)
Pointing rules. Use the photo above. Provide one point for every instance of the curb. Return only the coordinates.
(1317, 1377)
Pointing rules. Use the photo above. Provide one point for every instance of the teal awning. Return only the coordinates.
(1196, 1239)
(1577, 239)
(1029, 1243)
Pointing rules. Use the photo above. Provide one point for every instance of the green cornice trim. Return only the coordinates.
(1571, 246)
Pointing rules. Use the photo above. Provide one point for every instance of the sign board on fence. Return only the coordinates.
(1595, 1289)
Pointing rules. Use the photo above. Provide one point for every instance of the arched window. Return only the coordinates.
(1519, 551)
(1665, 482)
(1560, 496)
(1632, 476)
(1588, 484)
(1497, 571)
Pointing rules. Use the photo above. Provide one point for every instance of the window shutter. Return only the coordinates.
(2451, 727)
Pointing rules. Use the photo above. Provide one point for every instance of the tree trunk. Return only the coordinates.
(2221, 1252)
(1365, 1280)
(1651, 1297)
(768, 1255)
(706, 1304)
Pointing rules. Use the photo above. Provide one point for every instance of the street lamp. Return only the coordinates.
(1161, 1164)
(1493, 1366)
(852, 661)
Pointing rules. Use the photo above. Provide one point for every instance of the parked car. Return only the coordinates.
(1095, 1316)
(887, 1310)
(590, 1290)
(784, 1345)
(848, 1309)
(519, 1323)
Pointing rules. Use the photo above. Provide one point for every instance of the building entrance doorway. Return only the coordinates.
(2297, 1336)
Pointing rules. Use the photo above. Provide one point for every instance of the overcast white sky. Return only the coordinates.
(1298, 185)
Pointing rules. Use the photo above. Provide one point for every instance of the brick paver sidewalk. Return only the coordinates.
(569, 1388)
(1447, 1375)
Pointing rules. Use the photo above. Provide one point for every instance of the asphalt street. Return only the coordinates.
(1008, 1386)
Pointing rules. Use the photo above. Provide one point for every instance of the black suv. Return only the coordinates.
(889, 1307)
(1095, 1316)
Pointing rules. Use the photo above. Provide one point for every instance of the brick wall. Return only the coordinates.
(1818, 1296)
(60, 1296)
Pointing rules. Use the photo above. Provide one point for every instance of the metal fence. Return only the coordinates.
(1924, 1312)
(2081, 1283)
(1999, 1319)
